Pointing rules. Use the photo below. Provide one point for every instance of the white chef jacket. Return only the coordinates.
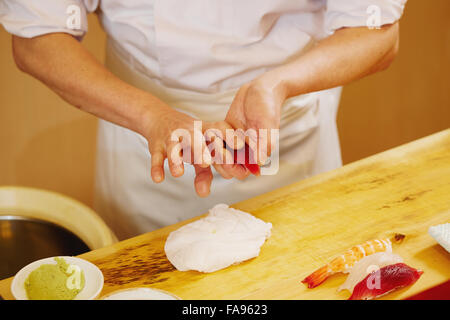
(195, 55)
(217, 39)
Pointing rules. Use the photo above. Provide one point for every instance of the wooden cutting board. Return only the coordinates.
(404, 190)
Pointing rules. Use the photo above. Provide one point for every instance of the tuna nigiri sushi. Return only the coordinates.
(366, 266)
(385, 280)
(346, 261)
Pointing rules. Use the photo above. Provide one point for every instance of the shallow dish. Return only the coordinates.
(92, 275)
(140, 294)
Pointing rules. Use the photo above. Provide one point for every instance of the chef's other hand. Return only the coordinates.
(160, 134)
(161, 131)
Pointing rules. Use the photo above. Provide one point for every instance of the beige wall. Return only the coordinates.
(409, 100)
(46, 143)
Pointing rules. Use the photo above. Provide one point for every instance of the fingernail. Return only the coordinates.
(262, 160)
(261, 157)
(207, 159)
(157, 177)
(203, 190)
(178, 170)
(240, 143)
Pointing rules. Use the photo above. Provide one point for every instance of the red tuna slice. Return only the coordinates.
(385, 280)
(251, 165)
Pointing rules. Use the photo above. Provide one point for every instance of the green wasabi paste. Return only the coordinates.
(49, 282)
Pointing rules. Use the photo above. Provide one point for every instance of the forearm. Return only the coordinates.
(64, 65)
(349, 54)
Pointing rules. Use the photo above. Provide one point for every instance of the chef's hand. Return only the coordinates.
(160, 131)
(328, 64)
(257, 105)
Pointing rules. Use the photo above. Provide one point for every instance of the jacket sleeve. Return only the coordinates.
(31, 18)
(362, 13)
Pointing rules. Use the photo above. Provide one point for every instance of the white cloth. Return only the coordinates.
(224, 237)
(195, 55)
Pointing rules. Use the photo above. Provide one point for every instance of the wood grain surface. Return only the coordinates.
(404, 190)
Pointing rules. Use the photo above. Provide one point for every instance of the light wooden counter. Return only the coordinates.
(404, 190)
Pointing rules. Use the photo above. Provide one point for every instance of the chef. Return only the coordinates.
(247, 64)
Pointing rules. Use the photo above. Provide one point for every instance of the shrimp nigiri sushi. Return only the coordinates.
(390, 278)
(346, 261)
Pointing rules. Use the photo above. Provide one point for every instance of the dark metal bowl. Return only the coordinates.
(24, 240)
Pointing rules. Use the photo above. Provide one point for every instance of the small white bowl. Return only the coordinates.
(93, 277)
(140, 294)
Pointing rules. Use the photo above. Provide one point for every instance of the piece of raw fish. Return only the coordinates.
(385, 280)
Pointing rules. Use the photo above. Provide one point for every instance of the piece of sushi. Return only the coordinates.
(346, 261)
(366, 266)
(385, 280)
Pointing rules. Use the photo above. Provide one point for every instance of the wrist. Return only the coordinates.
(272, 82)
(151, 112)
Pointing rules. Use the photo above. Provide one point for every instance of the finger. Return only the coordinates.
(203, 179)
(220, 169)
(217, 150)
(214, 137)
(175, 158)
(238, 171)
(207, 160)
(263, 150)
(234, 163)
(234, 138)
(157, 169)
(200, 153)
(235, 116)
(229, 167)
(261, 145)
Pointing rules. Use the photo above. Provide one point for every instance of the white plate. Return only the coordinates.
(140, 294)
(93, 283)
(441, 233)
